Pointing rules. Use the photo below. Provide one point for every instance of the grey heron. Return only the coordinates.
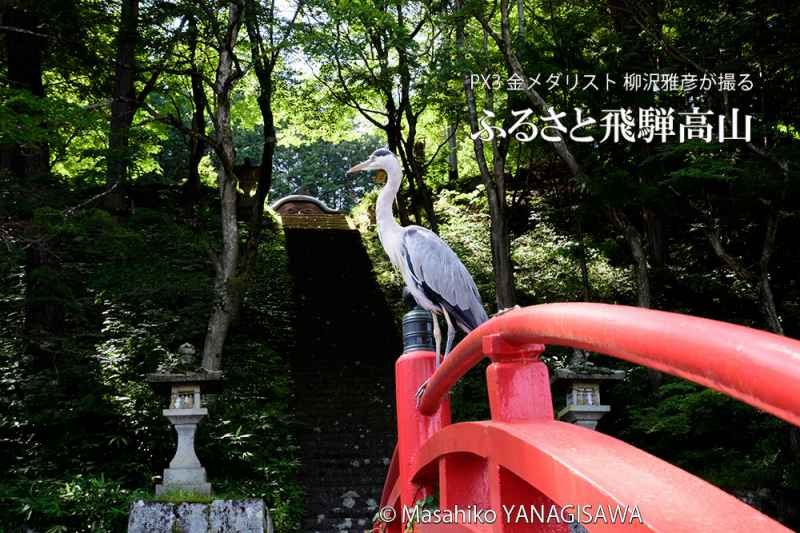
(432, 272)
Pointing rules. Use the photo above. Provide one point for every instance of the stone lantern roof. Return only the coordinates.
(210, 382)
(586, 372)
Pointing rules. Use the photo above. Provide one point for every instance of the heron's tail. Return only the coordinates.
(467, 319)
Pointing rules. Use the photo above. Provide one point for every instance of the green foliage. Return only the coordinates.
(21, 117)
(249, 420)
(318, 168)
(689, 425)
(90, 504)
(547, 266)
(137, 289)
(429, 503)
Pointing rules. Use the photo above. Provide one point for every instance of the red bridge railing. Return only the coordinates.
(533, 472)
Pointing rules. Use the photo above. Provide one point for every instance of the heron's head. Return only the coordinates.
(381, 160)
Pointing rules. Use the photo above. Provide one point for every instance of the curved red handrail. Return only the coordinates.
(756, 367)
(573, 465)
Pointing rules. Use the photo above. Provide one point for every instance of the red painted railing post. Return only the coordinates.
(519, 391)
(517, 381)
(414, 428)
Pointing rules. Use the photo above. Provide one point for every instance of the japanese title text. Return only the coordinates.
(619, 125)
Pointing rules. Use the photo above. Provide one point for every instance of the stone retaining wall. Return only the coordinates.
(219, 516)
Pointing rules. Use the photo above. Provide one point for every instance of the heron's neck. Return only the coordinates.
(383, 211)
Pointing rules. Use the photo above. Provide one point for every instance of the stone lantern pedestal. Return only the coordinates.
(584, 415)
(185, 473)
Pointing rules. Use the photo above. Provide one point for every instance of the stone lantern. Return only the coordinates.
(186, 389)
(581, 387)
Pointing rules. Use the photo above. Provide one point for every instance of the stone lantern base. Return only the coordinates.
(184, 480)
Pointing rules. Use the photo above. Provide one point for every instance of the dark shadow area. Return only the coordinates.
(347, 342)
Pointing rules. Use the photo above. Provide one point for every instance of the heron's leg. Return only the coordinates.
(451, 333)
(437, 338)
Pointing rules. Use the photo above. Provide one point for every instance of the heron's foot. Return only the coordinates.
(505, 310)
(421, 391)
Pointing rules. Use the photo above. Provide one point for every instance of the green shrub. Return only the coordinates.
(91, 504)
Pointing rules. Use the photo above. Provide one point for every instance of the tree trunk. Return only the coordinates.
(452, 154)
(394, 140)
(634, 240)
(267, 156)
(501, 252)
(768, 308)
(644, 299)
(500, 241)
(504, 42)
(498, 212)
(415, 152)
(123, 102)
(427, 200)
(24, 71)
(583, 266)
(761, 286)
(413, 167)
(264, 67)
(197, 139)
(586, 286)
(226, 290)
(655, 236)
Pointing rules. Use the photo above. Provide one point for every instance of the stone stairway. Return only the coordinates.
(347, 342)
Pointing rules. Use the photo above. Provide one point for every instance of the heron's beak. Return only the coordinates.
(359, 167)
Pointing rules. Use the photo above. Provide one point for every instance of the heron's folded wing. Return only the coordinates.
(436, 270)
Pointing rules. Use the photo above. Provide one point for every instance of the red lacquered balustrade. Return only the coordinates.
(523, 459)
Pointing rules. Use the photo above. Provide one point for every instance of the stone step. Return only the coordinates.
(347, 342)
